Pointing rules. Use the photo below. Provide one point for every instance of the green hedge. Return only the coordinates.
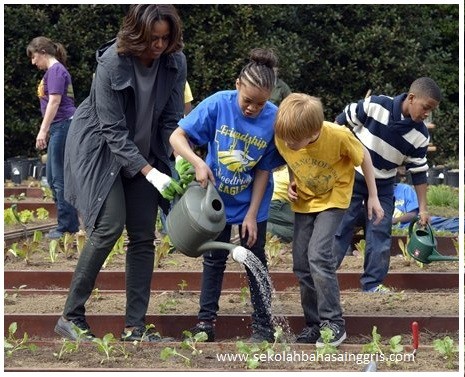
(336, 52)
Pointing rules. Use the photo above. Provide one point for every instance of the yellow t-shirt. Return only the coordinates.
(324, 170)
(281, 182)
(188, 93)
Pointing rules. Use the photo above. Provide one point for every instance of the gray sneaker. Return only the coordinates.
(66, 329)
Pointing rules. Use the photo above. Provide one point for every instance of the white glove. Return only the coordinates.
(165, 185)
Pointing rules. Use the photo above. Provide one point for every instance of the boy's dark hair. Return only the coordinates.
(135, 34)
(426, 87)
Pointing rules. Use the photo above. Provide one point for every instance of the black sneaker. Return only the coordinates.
(339, 334)
(206, 327)
(65, 328)
(309, 335)
(142, 334)
(261, 337)
(261, 333)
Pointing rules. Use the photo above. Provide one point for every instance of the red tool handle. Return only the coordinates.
(415, 335)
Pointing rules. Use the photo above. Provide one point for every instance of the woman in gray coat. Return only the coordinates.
(117, 159)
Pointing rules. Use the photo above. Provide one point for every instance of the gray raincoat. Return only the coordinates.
(100, 140)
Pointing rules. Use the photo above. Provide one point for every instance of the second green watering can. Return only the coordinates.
(422, 244)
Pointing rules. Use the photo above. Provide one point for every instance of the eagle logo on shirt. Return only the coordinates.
(236, 160)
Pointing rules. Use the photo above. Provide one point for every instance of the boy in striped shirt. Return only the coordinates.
(395, 133)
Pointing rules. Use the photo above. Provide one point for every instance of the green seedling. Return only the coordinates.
(96, 296)
(168, 352)
(447, 349)
(118, 248)
(375, 345)
(53, 249)
(167, 305)
(262, 348)
(13, 296)
(9, 217)
(182, 285)
(162, 250)
(26, 216)
(250, 350)
(273, 249)
(405, 254)
(80, 241)
(68, 346)
(245, 294)
(68, 245)
(17, 198)
(47, 193)
(360, 247)
(42, 213)
(13, 344)
(327, 335)
(395, 344)
(109, 346)
(190, 342)
(393, 297)
(25, 249)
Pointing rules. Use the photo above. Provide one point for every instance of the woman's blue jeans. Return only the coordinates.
(67, 216)
(132, 202)
(214, 264)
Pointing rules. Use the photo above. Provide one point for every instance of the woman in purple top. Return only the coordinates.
(55, 92)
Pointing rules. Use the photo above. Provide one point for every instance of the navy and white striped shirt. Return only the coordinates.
(392, 139)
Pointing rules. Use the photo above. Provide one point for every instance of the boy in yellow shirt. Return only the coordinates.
(321, 157)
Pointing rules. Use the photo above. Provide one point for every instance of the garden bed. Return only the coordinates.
(218, 357)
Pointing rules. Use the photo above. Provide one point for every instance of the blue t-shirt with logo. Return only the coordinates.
(237, 147)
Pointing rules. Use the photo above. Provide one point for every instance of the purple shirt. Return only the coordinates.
(57, 80)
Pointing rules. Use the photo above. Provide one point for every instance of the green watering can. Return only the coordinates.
(196, 220)
(422, 245)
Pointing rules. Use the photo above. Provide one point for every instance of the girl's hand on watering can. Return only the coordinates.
(249, 230)
(203, 174)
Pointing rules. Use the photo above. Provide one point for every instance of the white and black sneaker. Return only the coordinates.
(339, 334)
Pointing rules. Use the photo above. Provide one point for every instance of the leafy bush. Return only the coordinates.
(336, 52)
(442, 196)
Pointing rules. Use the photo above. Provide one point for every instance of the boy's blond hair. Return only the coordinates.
(299, 116)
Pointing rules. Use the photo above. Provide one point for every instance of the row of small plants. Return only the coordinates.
(71, 245)
(110, 348)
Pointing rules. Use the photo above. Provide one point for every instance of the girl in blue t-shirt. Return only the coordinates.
(237, 127)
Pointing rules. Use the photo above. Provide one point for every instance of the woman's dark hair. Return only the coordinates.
(135, 34)
(45, 45)
(261, 69)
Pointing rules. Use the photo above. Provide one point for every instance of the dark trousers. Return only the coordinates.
(378, 237)
(214, 264)
(134, 203)
(315, 265)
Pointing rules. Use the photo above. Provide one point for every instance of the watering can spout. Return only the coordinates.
(436, 257)
(422, 245)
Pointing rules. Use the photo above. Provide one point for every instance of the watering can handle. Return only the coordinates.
(413, 222)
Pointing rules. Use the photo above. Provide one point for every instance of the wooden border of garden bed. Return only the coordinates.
(168, 280)
(231, 325)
